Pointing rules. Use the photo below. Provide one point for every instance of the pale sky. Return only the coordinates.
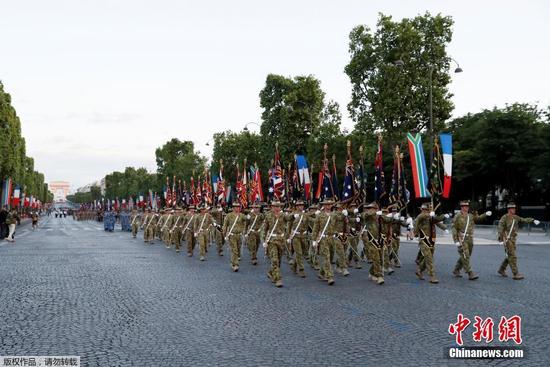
(100, 84)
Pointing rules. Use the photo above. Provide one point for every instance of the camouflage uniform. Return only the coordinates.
(201, 231)
(135, 220)
(354, 226)
(234, 226)
(507, 233)
(371, 236)
(274, 235)
(313, 257)
(150, 223)
(298, 239)
(255, 220)
(218, 216)
(323, 236)
(463, 234)
(165, 229)
(176, 229)
(424, 229)
(340, 223)
(187, 231)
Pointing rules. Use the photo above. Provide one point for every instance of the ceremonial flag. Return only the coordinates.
(295, 185)
(335, 188)
(303, 174)
(16, 195)
(256, 192)
(168, 193)
(325, 189)
(447, 149)
(379, 180)
(361, 179)
(349, 189)
(436, 185)
(277, 186)
(220, 187)
(418, 165)
(6, 191)
(399, 193)
(207, 189)
(174, 193)
(240, 187)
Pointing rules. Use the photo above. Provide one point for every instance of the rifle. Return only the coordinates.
(507, 237)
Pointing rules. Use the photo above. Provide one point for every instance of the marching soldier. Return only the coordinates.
(176, 229)
(340, 238)
(371, 235)
(298, 224)
(234, 226)
(160, 222)
(187, 231)
(135, 222)
(463, 236)
(507, 233)
(386, 239)
(201, 230)
(274, 233)
(354, 225)
(322, 238)
(218, 216)
(398, 222)
(424, 229)
(312, 253)
(165, 229)
(255, 220)
(149, 226)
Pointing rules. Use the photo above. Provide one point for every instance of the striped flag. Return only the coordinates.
(6, 192)
(447, 150)
(418, 165)
(303, 174)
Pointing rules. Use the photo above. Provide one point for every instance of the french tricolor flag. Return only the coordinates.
(447, 150)
(303, 173)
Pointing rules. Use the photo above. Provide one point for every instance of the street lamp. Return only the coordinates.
(245, 128)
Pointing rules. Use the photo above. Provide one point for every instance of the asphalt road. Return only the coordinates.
(69, 288)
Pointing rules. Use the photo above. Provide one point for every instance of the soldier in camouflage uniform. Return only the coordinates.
(176, 229)
(313, 258)
(255, 220)
(298, 239)
(187, 231)
(322, 238)
(150, 223)
(218, 216)
(354, 224)
(340, 223)
(234, 227)
(201, 230)
(165, 229)
(274, 234)
(373, 221)
(135, 220)
(463, 236)
(507, 232)
(386, 238)
(398, 222)
(161, 218)
(424, 229)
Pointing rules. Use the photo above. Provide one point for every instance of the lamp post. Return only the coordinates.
(245, 128)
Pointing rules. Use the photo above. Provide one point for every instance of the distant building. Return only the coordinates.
(59, 189)
(87, 188)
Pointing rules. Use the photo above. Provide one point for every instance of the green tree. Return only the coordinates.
(389, 71)
(292, 111)
(505, 147)
(178, 158)
(233, 148)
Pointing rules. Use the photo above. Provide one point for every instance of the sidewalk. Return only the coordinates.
(487, 236)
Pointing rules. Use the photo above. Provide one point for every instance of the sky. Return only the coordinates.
(99, 85)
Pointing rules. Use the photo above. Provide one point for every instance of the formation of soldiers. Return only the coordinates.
(332, 233)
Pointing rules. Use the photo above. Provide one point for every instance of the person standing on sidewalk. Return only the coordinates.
(11, 220)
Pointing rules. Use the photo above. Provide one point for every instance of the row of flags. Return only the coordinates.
(12, 196)
(297, 183)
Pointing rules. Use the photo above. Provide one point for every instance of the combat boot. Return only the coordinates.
(434, 280)
(345, 272)
(201, 258)
(254, 262)
(419, 275)
(339, 270)
(457, 274)
(390, 270)
(330, 281)
(472, 275)
(279, 283)
(518, 276)
(358, 266)
(301, 274)
(380, 280)
(502, 272)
